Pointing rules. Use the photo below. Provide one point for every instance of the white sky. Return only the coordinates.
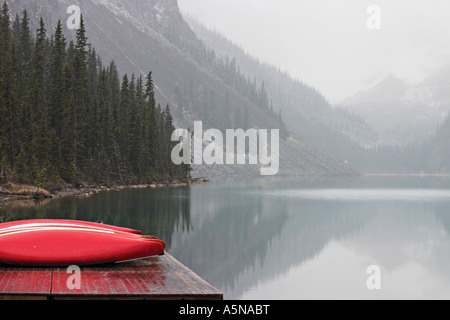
(326, 43)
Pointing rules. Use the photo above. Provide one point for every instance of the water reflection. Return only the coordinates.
(243, 239)
(291, 238)
(159, 212)
(315, 240)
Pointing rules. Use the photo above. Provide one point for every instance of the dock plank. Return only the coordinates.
(31, 283)
(161, 277)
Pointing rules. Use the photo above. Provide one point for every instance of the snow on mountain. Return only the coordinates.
(151, 35)
(402, 112)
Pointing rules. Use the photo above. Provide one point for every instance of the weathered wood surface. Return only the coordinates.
(161, 277)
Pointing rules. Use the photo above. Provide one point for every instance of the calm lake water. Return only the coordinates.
(291, 238)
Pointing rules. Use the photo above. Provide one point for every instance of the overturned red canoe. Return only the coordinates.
(37, 222)
(69, 242)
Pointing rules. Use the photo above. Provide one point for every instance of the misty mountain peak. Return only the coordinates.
(391, 82)
(389, 87)
(162, 16)
(150, 10)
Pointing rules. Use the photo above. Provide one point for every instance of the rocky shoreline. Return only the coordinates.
(25, 195)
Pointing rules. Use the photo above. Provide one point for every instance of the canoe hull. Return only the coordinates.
(59, 244)
(64, 222)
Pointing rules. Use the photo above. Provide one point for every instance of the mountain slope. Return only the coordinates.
(438, 150)
(304, 109)
(404, 113)
(144, 35)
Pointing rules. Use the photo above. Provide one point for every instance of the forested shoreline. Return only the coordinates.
(66, 118)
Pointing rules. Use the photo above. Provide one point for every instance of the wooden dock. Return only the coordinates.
(156, 278)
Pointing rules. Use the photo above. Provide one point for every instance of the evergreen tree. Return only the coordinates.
(80, 97)
(122, 123)
(104, 126)
(56, 97)
(6, 93)
(25, 47)
(40, 143)
(151, 130)
(139, 118)
(167, 143)
(68, 170)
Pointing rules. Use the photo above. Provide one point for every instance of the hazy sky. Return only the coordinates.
(327, 44)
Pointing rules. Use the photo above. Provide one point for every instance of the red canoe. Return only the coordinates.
(69, 242)
(65, 222)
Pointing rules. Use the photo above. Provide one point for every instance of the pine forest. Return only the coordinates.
(67, 118)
